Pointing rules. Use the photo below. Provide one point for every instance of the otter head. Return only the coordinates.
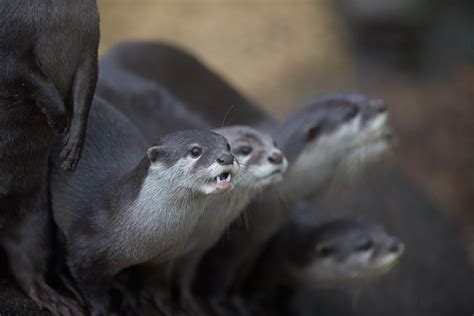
(195, 160)
(332, 131)
(343, 251)
(262, 162)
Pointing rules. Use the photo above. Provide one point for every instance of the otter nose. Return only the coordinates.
(276, 158)
(378, 106)
(396, 246)
(225, 159)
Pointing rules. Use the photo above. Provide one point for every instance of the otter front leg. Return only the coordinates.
(27, 242)
(186, 274)
(81, 97)
(94, 283)
(46, 97)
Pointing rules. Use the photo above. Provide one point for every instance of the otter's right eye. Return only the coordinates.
(195, 152)
(353, 112)
(325, 251)
(244, 150)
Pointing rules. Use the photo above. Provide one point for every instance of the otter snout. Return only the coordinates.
(225, 159)
(374, 108)
(377, 106)
(396, 246)
(276, 158)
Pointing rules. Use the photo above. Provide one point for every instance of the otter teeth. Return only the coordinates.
(225, 176)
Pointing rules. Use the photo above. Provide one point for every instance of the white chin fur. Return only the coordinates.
(267, 174)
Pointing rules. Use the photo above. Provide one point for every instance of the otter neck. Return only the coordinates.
(312, 171)
(158, 214)
(221, 211)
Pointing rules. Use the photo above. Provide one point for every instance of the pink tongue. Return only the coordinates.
(222, 184)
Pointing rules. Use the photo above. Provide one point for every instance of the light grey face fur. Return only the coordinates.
(347, 252)
(173, 161)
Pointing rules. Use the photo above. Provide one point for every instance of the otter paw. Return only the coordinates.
(70, 156)
(56, 120)
(47, 298)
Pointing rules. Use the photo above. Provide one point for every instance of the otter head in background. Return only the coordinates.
(333, 133)
(340, 252)
(262, 162)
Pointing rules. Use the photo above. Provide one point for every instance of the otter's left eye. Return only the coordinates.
(366, 246)
(244, 150)
(228, 146)
(352, 113)
(196, 152)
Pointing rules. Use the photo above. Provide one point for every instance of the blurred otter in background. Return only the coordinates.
(310, 253)
(434, 276)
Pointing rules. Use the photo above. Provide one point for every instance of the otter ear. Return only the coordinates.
(154, 153)
(313, 131)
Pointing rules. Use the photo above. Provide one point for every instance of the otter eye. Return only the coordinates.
(313, 132)
(366, 246)
(195, 151)
(228, 146)
(352, 113)
(325, 251)
(244, 150)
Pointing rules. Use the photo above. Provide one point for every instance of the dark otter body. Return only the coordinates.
(434, 276)
(48, 57)
(183, 75)
(147, 104)
(125, 205)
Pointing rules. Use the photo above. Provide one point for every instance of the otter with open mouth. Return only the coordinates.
(261, 165)
(129, 203)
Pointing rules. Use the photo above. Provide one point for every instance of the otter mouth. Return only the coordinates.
(222, 181)
(271, 174)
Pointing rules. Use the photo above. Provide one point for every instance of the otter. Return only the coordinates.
(323, 254)
(333, 133)
(435, 275)
(262, 163)
(129, 203)
(181, 73)
(48, 57)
